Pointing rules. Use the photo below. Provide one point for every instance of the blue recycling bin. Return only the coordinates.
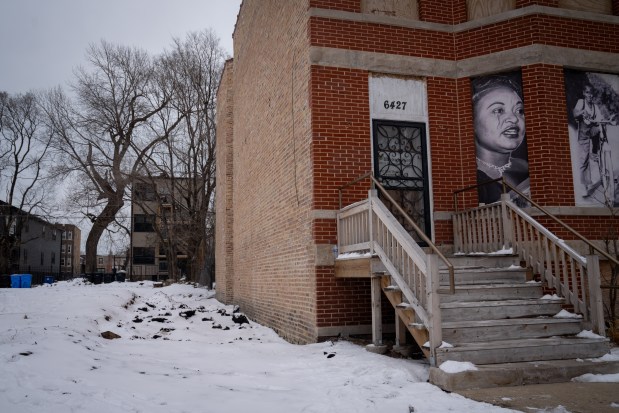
(26, 280)
(48, 279)
(15, 280)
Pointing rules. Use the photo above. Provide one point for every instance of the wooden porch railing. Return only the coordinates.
(369, 226)
(504, 226)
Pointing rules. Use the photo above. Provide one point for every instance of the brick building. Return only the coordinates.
(70, 250)
(314, 93)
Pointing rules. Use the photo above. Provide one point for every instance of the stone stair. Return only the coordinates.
(497, 317)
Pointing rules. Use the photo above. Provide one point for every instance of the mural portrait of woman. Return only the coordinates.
(500, 139)
(592, 101)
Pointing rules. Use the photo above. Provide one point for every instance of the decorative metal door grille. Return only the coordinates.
(400, 166)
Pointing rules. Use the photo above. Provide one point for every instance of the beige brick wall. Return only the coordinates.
(273, 261)
(223, 199)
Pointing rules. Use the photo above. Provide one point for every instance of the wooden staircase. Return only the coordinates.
(499, 318)
(492, 314)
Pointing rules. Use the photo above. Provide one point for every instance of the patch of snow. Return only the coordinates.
(506, 399)
(551, 297)
(597, 378)
(353, 255)
(566, 314)
(451, 366)
(588, 334)
(504, 251)
(615, 405)
(612, 356)
(514, 267)
(180, 350)
(444, 344)
(558, 409)
(533, 282)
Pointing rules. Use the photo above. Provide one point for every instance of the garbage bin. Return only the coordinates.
(15, 280)
(108, 278)
(26, 280)
(5, 281)
(48, 279)
(120, 277)
(97, 278)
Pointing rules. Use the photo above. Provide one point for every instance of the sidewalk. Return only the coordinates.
(573, 397)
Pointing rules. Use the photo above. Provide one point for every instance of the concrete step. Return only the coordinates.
(514, 351)
(501, 291)
(496, 310)
(519, 374)
(484, 275)
(508, 329)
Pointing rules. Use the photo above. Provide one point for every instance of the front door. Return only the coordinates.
(400, 165)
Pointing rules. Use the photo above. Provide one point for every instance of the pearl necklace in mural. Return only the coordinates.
(491, 167)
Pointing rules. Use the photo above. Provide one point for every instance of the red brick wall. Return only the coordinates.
(380, 38)
(525, 3)
(547, 135)
(345, 5)
(519, 32)
(442, 11)
(341, 150)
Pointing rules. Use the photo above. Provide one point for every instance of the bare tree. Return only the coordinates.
(23, 150)
(191, 71)
(107, 130)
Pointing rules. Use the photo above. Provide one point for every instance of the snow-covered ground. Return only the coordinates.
(181, 351)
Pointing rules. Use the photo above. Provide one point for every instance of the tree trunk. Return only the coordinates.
(104, 219)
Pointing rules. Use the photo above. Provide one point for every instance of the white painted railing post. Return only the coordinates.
(371, 194)
(595, 295)
(508, 239)
(434, 309)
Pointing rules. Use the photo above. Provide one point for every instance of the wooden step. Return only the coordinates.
(495, 310)
(508, 329)
(513, 351)
(500, 291)
(482, 260)
(484, 275)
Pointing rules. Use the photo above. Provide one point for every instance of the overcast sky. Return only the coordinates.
(41, 41)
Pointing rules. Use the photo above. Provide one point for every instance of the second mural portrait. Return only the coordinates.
(500, 136)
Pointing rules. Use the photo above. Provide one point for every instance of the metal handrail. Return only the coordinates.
(422, 235)
(506, 184)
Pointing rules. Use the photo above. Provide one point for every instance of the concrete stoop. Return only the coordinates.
(519, 374)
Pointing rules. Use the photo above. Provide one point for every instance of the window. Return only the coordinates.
(64, 235)
(143, 223)
(69, 262)
(100, 261)
(53, 258)
(143, 255)
(68, 249)
(61, 262)
(145, 192)
(69, 234)
(62, 248)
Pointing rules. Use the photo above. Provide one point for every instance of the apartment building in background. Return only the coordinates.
(70, 250)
